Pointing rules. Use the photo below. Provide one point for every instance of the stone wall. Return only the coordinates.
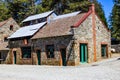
(17, 43)
(19, 60)
(58, 42)
(40, 44)
(5, 32)
(103, 36)
(84, 34)
(3, 55)
(5, 29)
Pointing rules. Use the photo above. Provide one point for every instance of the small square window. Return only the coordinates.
(11, 27)
(50, 51)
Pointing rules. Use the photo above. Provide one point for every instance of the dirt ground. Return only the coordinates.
(115, 55)
(107, 69)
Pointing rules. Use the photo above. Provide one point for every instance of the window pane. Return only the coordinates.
(50, 51)
(26, 52)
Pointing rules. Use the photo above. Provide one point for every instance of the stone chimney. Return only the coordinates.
(94, 30)
(93, 8)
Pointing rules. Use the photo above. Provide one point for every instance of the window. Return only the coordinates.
(26, 52)
(104, 50)
(26, 23)
(5, 39)
(50, 51)
(25, 41)
(43, 19)
(11, 27)
(39, 20)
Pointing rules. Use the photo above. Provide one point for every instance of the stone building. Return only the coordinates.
(20, 41)
(7, 28)
(68, 39)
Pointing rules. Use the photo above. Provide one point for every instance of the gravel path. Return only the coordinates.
(105, 70)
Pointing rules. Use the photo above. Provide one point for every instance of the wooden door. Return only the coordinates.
(15, 57)
(39, 57)
(104, 51)
(83, 53)
(63, 56)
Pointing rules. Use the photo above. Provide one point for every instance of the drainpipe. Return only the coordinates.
(94, 30)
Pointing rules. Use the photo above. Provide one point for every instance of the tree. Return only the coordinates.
(99, 10)
(58, 5)
(3, 12)
(115, 20)
(19, 9)
(79, 5)
(67, 6)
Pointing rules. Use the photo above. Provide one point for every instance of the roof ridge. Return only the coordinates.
(67, 15)
(3, 22)
(31, 16)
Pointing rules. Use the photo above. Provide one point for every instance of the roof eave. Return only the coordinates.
(51, 36)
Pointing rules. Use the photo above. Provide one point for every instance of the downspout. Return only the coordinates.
(94, 30)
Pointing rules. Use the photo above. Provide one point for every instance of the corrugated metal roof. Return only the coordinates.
(27, 31)
(37, 16)
(67, 15)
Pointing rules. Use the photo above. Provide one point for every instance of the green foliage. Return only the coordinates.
(115, 20)
(99, 10)
(58, 5)
(79, 5)
(20, 9)
(67, 6)
(3, 12)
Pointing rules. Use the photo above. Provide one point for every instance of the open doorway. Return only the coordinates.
(15, 57)
(63, 56)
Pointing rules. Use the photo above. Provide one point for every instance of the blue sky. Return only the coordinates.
(107, 6)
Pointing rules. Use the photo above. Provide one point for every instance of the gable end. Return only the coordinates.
(102, 23)
(82, 19)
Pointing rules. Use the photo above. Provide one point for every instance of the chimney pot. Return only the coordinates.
(93, 8)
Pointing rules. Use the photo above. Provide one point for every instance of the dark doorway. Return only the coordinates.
(104, 50)
(15, 57)
(39, 56)
(83, 53)
(63, 56)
